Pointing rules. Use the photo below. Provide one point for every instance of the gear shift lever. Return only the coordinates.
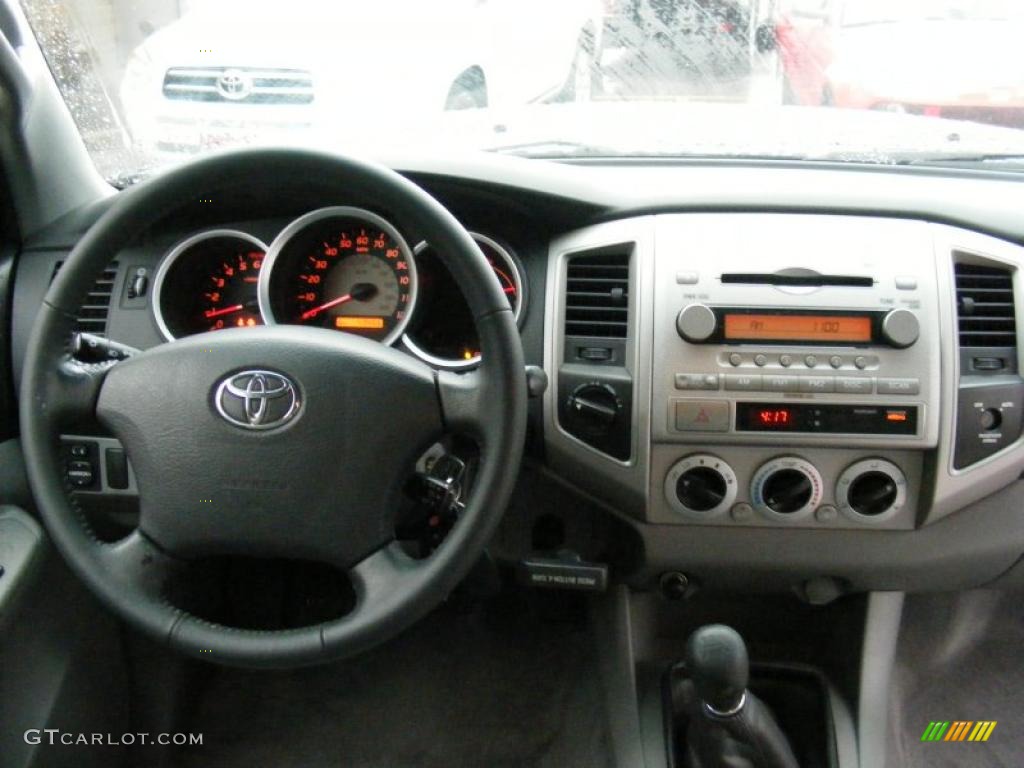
(729, 727)
(717, 659)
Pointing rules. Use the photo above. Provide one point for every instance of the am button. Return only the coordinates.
(702, 416)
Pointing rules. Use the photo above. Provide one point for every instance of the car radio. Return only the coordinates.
(801, 352)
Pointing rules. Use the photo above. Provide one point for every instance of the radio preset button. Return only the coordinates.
(782, 383)
(899, 386)
(861, 362)
(810, 361)
(738, 382)
(699, 381)
(735, 359)
(760, 360)
(702, 416)
(785, 360)
(835, 361)
(854, 385)
(815, 384)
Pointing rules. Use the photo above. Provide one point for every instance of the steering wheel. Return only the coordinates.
(354, 416)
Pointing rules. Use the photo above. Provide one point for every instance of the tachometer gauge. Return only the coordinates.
(209, 282)
(341, 268)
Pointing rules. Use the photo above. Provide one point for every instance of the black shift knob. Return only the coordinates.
(716, 657)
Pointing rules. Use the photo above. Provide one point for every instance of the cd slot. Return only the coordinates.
(798, 281)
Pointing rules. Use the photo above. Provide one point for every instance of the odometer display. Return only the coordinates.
(344, 269)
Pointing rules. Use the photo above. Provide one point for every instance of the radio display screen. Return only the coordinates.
(797, 328)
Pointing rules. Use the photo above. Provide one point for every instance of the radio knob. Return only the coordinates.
(696, 323)
(900, 328)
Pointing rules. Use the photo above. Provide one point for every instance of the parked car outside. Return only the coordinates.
(237, 71)
(928, 57)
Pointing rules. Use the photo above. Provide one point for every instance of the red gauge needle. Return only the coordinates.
(211, 313)
(359, 292)
(332, 303)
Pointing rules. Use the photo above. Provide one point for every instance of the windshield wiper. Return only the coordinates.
(553, 150)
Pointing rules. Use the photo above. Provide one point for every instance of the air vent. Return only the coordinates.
(597, 295)
(92, 317)
(985, 306)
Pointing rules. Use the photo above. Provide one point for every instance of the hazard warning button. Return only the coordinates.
(702, 415)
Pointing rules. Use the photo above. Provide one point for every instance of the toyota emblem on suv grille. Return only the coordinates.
(233, 84)
(257, 399)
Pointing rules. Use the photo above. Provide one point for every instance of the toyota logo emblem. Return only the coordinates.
(234, 84)
(257, 399)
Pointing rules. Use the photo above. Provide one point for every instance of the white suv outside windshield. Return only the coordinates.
(154, 82)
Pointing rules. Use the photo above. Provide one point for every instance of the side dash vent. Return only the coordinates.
(986, 314)
(95, 310)
(597, 295)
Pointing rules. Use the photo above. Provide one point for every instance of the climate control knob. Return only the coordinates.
(700, 486)
(787, 488)
(696, 323)
(871, 490)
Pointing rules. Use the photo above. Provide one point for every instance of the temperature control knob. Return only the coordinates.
(696, 323)
(700, 486)
(900, 328)
(786, 488)
(871, 490)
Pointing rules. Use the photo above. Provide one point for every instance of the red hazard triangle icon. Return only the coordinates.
(702, 417)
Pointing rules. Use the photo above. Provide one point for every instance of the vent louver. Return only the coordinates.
(93, 314)
(985, 306)
(597, 295)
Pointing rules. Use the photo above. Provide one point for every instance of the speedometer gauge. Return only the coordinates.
(208, 282)
(340, 268)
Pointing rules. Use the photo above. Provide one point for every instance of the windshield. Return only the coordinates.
(156, 82)
(890, 11)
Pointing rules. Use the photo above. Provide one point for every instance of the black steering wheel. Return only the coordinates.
(207, 486)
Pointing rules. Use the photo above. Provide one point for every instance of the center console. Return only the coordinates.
(796, 372)
(784, 371)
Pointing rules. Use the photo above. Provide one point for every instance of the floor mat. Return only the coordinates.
(456, 690)
(960, 658)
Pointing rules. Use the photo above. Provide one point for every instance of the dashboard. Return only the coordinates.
(758, 376)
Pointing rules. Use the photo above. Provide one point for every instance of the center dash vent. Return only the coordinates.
(93, 314)
(597, 295)
(985, 306)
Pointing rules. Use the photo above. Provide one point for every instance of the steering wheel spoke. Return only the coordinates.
(75, 390)
(139, 563)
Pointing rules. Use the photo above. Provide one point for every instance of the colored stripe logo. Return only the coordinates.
(959, 730)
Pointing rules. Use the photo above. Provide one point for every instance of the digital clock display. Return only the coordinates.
(775, 418)
(798, 328)
(827, 418)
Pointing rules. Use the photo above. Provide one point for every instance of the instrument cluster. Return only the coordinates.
(341, 268)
